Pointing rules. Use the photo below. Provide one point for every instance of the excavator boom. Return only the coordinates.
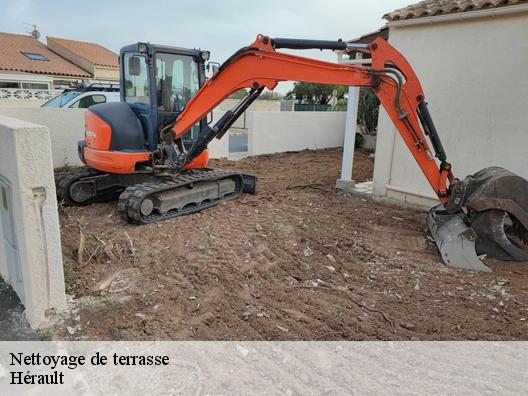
(260, 65)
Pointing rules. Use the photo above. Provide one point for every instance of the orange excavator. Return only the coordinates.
(149, 151)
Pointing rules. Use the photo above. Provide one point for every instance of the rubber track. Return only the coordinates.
(130, 200)
(64, 181)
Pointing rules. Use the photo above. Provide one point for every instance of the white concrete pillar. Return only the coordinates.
(30, 237)
(346, 182)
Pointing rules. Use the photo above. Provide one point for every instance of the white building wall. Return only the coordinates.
(26, 165)
(473, 73)
(22, 97)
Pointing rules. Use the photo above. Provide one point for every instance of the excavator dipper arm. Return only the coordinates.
(260, 65)
(475, 213)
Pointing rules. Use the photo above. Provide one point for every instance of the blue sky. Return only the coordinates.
(219, 26)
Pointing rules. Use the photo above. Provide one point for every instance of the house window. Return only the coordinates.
(34, 56)
(35, 85)
(9, 84)
(62, 84)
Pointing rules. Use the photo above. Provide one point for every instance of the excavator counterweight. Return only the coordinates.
(151, 149)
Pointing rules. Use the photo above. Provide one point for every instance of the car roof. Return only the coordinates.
(103, 87)
(86, 93)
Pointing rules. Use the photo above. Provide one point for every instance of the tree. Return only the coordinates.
(314, 92)
(241, 93)
(368, 108)
(341, 105)
(270, 95)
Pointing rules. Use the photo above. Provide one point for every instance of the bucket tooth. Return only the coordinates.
(492, 239)
(498, 203)
(454, 239)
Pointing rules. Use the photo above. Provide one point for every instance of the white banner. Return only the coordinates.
(267, 368)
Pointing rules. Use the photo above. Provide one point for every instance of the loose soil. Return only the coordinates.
(297, 261)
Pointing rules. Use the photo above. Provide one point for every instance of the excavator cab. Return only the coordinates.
(157, 82)
(131, 153)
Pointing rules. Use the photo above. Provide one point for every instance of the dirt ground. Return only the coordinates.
(297, 261)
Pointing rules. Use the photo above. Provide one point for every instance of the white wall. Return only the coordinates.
(25, 154)
(257, 105)
(268, 131)
(274, 132)
(474, 76)
(66, 128)
(219, 148)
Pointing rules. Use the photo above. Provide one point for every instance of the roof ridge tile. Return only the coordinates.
(426, 8)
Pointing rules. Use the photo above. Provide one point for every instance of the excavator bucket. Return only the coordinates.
(498, 202)
(454, 239)
(488, 215)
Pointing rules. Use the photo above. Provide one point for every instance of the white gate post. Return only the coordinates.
(29, 221)
(346, 182)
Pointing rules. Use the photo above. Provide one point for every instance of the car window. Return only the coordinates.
(88, 101)
(61, 100)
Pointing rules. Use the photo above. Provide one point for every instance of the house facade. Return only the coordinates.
(97, 60)
(471, 57)
(32, 72)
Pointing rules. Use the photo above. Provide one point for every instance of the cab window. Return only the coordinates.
(136, 79)
(176, 81)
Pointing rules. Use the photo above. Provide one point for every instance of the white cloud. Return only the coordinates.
(19, 11)
(219, 26)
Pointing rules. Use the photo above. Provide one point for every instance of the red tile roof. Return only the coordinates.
(430, 8)
(12, 59)
(93, 53)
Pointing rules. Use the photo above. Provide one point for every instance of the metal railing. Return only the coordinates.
(28, 94)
